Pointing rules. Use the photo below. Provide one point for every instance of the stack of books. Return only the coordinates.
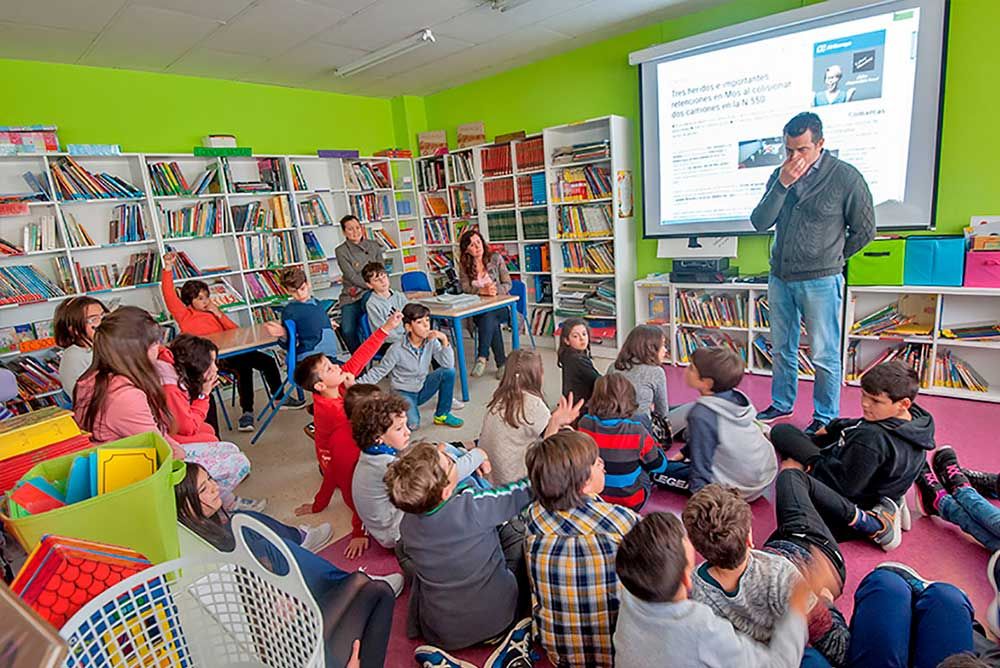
(313, 211)
(542, 322)
(440, 261)
(314, 250)
(259, 251)
(461, 167)
(463, 202)
(264, 287)
(23, 284)
(531, 189)
(763, 346)
(35, 374)
(204, 219)
(74, 182)
(535, 224)
(434, 205)
(892, 321)
(954, 372)
(582, 184)
(127, 224)
(168, 179)
(589, 258)
(42, 235)
(580, 152)
(368, 176)
(383, 237)
(430, 175)
(712, 309)
(583, 222)
(256, 216)
(499, 194)
(321, 277)
(185, 267)
(496, 160)
(502, 226)
(272, 172)
(762, 312)
(370, 207)
(976, 331)
(224, 295)
(142, 269)
(586, 297)
(63, 274)
(77, 233)
(917, 355)
(298, 178)
(530, 155)
(688, 340)
(437, 232)
(536, 258)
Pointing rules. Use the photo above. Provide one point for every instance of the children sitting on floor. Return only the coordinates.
(641, 360)
(655, 565)
(188, 372)
(750, 587)
(629, 452)
(313, 328)
(516, 416)
(959, 495)
(73, 325)
(465, 554)
(569, 529)
(578, 372)
(408, 365)
(724, 443)
(383, 300)
(866, 463)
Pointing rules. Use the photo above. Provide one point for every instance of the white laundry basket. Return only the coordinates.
(202, 612)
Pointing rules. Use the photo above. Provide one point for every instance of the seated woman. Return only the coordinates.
(355, 606)
(483, 272)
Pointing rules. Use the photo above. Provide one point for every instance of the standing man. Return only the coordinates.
(823, 213)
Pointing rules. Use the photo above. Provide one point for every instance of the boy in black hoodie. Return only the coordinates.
(859, 469)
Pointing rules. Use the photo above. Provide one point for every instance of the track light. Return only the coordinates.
(387, 53)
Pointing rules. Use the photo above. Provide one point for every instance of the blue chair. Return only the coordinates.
(366, 331)
(278, 399)
(520, 290)
(415, 281)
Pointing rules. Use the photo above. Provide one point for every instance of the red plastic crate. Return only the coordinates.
(13, 468)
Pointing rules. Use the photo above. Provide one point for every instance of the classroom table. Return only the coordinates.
(456, 316)
(241, 340)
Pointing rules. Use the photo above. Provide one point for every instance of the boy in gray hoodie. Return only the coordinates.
(655, 563)
(724, 444)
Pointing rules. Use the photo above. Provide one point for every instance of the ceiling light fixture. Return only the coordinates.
(386, 53)
(506, 5)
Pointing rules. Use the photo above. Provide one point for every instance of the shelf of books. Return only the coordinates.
(588, 168)
(951, 336)
(234, 222)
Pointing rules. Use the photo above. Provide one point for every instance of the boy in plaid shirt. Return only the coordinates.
(571, 539)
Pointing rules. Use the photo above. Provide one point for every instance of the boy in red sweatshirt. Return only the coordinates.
(335, 447)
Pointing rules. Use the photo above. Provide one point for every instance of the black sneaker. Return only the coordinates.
(770, 414)
(515, 650)
(917, 582)
(889, 536)
(246, 422)
(928, 490)
(983, 482)
(945, 463)
(293, 404)
(813, 427)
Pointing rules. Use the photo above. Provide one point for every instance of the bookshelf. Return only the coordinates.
(238, 220)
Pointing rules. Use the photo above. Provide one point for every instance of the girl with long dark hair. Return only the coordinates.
(483, 272)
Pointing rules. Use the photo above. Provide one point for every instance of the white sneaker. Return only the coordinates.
(317, 537)
(243, 503)
(394, 580)
(905, 520)
(457, 405)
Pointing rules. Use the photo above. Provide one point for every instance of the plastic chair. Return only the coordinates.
(415, 281)
(520, 290)
(366, 331)
(278, 399)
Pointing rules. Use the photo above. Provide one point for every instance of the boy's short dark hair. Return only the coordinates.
(613, 397)
(799, 123)
(415, 481)
(348, 217)
(722, 365)
(371, 270)
(559, 466)
(307, 371)
(651, 558)
(192, 290)
(372, 417)
(293, 278)
(356, 394)
(414, 311)
(718, 520)
(895, 378)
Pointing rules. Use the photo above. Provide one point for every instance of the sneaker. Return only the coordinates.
(428, 656)
(929, 488)
(987, 484)
(945, 463)
(310, 430)
(394, 580)
(917, 582)
(499, 373)
(889, 536)
(770, 414)
(905, 520)
(457, 405)
(813, 427)
(448, 420)
(479, 368)
(243, 503)
(316, 537)
(246, 422)
(293, 404)
(515, 650)
(993, 611)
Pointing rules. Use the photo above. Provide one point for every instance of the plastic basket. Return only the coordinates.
(224, 610)
(141, 516)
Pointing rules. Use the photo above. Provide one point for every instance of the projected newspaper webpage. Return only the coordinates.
(721, 113)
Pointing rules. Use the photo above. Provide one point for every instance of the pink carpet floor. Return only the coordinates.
(937, 550)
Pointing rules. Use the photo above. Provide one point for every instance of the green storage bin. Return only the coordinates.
(878, 263)
(141, 516)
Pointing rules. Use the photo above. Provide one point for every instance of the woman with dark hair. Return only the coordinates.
(355, 606)
(352, 256)
(484, 272)
(74, 323)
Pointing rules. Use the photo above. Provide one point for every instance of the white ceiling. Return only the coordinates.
(299, 42)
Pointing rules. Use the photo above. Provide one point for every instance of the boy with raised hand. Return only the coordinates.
(570, 530)
(408, 365)
(466, 556)
(750, 587)
(655, 564)
(313, 328)
(383, 300)
(860, 468)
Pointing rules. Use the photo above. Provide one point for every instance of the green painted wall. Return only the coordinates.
(597, 80)
(148, 112)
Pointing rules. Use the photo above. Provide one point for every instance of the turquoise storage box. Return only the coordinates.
(934, 261)
(878, 263)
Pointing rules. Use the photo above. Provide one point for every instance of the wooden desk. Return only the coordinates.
(458, 315)
(242, 340)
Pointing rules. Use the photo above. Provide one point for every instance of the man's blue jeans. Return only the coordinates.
(440, 382)
(974, 515)
(819, 302)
